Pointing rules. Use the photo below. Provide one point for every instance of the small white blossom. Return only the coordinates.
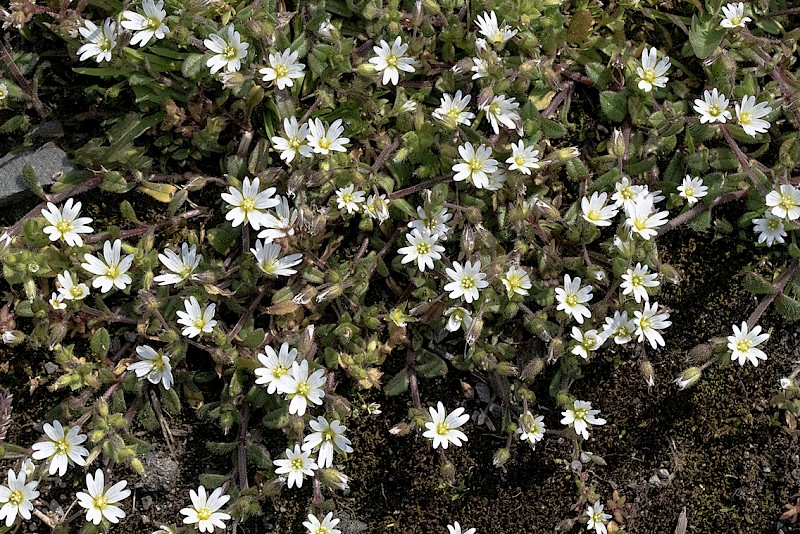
(70, 287)
(580, 416)
(195, 320)
(595, 210)
(3, 91)
(182, 267)
(421, 248)
(713, 107)
(733, 16)
(467, 280)
(294, 140)
(516, 280)
(111, 271)
(501, 111)
(572, 297)
(297, 465)
(203, 511)
(228, 48)
(65, 223)
(588, 341)
(458, 317)
(770, 229)
(523, 159)
(436, 223)
(649, 322)
(751, 115)
(99, 41)
(376, 207)
(324, 141)
(391, 60)
(248, 204)
(642, 220)
(347, 198)
(153, 365)
(268, 256)
(16, 497)
(636, 280)
(148, 26)
(451, 110)
(692, 189)
(531, 428)
(100, 501)
(302, 388)
(276, 365)
(652, 72)
(279, 224)
(480, 67)
(489, 28)
(443, 428)
(619, 327)
(475, 165)
(328, 437)
(61, 448)
(455, 528)
(786, 203)
(409, 106)
(283, 69)
(57, 301)
(742, 344)
(597, 518)
(626, 193)
(324, 526)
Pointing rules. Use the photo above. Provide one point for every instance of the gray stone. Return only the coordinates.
(160, 472)
(49, 163)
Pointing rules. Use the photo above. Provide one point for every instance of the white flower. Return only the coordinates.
(531, 428)
(70, 287)
(692, 189)
(495, 180)
(489, 28)
(348, 199)
(770, 229)
(57, 301)
(501, 111)
(294, 140)
(276, 365)
(283, 67)
(652, 72)
(742, 344)
(248, 204)
(28, 467)
(323, 141)
(302, 388)
(297, 465)
(281, 223)
(649, 322)
(146, 26)
(409, 106)
(580, 416)
(10, 338)
(165, 529)
(65, 223)
(326, 29)
(329, 437)
(268, 257)
(516, 280)
(480, 67)
(153, 365)
(571, 298)
(99, 501)
(315, 526)
(443, 428)
(642, 220)
(61, 448)
(435, 222)
(17, 497)
(713, 107)
(785, 204)
(597, 518)
(523, 159)
(451, 110)
(636, 280)
(619, 327)
(626, 193)
(376, 207)
(458, 317)
(587, 342)
(475, 165)
(390, 60)
(786, 383)
(204, 508)
(749, 115)
(228, 48)
(195, 320)
(595, 210)
(111, 272)
(467, 280)
(455, 528)
(421, 248)
(734, 16)
(3, 91)
(182, 267)
(99, 41)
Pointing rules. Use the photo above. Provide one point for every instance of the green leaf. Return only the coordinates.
(787, 307)
(193, 65)
(794, 251)
(701, 222)
(223, 238)
(397, 384)
(100, 343)
(706, 36)
(757, 284)
(431, 365)
(614, 104)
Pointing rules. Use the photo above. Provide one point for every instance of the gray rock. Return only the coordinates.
(160, 472)
(49, 163)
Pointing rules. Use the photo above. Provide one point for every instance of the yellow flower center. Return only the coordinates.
(773, 224)
(423, 248)
(76, 291)
(636, 280)
(745, 118)
(16, 498)
(153, 24)
(328, 434)
(281, 70)
(475, 164)
(294, 143)
(296, 464)
(453, 113)
(581, 413)
(303, 389)
(322, 530)
(391, 61)
(230, 52)
(714, 110)
(627, 193)
(519, 161)
(104, 44)
(347, 198)
(247, 205)
(100, 502)
(593, 215)
(203, 514)
(597, 517)
(199, 323)
(64, 226)
(688, 191)
(743, 345)
(279, 370)
(62, 446)
(640, 224)
(645, 323)
(514, 281)
(468, 282)
(571, 300)
(442, 428)
(649, 75)
(112, 271)
(787, 202)
(589, 342)
(324, 143)
(158, 364)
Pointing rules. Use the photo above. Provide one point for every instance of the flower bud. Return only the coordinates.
(30, 287)
(400, 429)
(365, 69)
(448, 471)
(13, 337)
(102, 408)
(566, 154)
(500, 457)
(506, 369)
(647, 372)
(616, 146)
(137, 466)
(689, 377)
(556, 349)
(334, 479)
(533, 368)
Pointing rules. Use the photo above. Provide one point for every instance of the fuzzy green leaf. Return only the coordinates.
(397, 384)
(614, 105)
(706, 36)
